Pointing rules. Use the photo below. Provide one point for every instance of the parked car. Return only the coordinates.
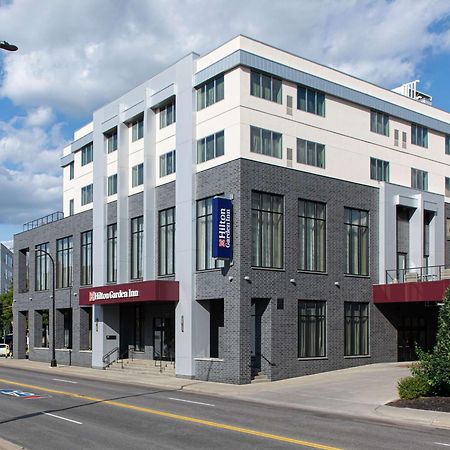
(4, 350)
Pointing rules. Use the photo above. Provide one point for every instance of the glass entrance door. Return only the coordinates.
(139, 328)
(163, 339)
(412, 331)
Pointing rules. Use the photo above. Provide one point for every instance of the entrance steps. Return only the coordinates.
(259, 377)
(144, 367)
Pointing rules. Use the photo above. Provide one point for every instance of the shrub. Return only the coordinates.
(413, 387)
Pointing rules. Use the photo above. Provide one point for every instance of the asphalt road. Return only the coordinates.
(75, 413)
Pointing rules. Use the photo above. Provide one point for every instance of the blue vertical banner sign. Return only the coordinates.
(222, 228)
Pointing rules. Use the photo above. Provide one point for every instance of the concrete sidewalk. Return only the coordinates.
(360, 392)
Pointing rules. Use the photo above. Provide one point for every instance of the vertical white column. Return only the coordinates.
(150, 165)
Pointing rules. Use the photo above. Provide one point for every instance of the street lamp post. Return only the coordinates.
(53, 362)
(7, 46)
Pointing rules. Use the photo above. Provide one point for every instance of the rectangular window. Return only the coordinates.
(64, 262)
(419, 179)
(311, 101)
(266, 142)
(311, 329)
(71, 170)
(67, 330)
(379, 169)
(137, 240)
(87, 194)
(419, 135)
(210, 147)
(87, 154)
(111, 141)
(112, 184)
(42, 262)
(137, 129)
(379, 122)
(357, 231)
(447, 186)
(267, 230)
(41, 326)
(166, 240)
(266, 86)
(396, 137)
(404, 139)
(356, 329)
(86, 258)
(137, 175)
(447, 144)
(311, 232)
(205, 260)
(167, 115)
(71, 207)
(310, 153)
(210, 92)
(111, 253)
(167, 163)
(86, 328)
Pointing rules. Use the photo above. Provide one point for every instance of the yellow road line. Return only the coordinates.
(169, 415)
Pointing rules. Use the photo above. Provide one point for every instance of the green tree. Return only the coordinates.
(434, 366)
(6, 316)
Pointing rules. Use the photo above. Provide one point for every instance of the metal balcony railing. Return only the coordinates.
(416, 274)
(43, 221)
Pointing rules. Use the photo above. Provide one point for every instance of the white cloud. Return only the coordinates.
(80, 54)
(40, 117)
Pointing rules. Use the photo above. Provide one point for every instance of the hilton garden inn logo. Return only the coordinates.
(111, 295)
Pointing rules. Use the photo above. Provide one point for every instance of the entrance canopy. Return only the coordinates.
(142, 291)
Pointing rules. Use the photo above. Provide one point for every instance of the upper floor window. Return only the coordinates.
(137, 245)
(112, 184)
(87, 154)
(379, 169)
(447, 186)
(310, 153)
(211, 147)
(447, 144)
(419, 135)
(210, 92)
(167, 163)
(311, 101)
(137, 175)
(111, 141)
(311, 233)
(419, 179)
(86, 258)
(267, 230)
(167, 114)
(71, 207)
(379, 122)
(137, 129)
(111, 253)
(204, 236)
(265, 86)
(71, 170)
(357, 231)
(87, 194)
(266, 142)
(166, 241)
(42, 262)
(64, 262)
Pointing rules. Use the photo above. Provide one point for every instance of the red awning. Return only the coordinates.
(142, 291)
(426, 291)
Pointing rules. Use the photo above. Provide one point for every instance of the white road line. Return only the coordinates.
(63, 418)
(65, 381)
(190, 401)
(441, 443)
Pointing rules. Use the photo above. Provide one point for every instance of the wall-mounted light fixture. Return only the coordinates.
(247, 278)
(292, 281)
(336, 283)
(96, 324)
(182, 324)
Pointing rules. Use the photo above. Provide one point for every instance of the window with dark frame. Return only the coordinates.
(311, 101)
(419, 135)
(86, 258)
(310, 153)
(166, 240)
(137, 175)
(137, 240)
(167, 114)
(356, 329)
(137, 129)
(211, 147)
(267, 230)
(311, 329)
(266, 142)
(210, 92)
(111, 141)
(167, 163)
(42, 265)
(312, 235)
(67, 323)
(379, 122)
(357, 241)
(379, 169)
(87, 154)
(87, 194)
(64, 262)
(111, 253)
(419, 179)
(112, 184)
(266, 86)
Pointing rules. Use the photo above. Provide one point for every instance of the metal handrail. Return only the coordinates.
(263, 357)
(424, 273)
(53, 217)
(107, 357)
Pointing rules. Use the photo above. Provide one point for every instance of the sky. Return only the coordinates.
(75, 56)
